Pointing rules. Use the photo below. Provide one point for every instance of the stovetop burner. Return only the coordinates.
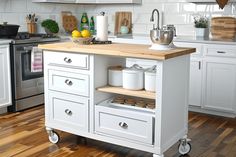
(25, 37)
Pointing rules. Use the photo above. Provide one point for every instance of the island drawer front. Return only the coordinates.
(71, 60)
(221, 50)
(121, 124)
(68, 82)
(69, 110)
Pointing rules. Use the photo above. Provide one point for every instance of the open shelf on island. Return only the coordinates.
(120, 90)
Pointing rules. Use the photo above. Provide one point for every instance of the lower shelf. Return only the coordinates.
(120, 90)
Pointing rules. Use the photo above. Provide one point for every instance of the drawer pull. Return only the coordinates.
(123, 125)
(68, 82)
(67, 60)
(68, 112)
(221, 52)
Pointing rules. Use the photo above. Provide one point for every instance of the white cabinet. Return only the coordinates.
(5, 86)
(91, 1)
(220, 84)
(195, 83)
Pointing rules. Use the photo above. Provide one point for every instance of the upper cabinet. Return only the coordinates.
(56, 1)
(91, 1)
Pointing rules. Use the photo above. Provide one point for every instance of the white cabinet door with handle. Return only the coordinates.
(5, 86)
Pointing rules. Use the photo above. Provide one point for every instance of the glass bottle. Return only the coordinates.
(84, 24)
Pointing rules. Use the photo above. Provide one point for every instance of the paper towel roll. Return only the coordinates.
(102, 28)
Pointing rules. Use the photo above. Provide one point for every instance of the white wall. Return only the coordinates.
(179, 14)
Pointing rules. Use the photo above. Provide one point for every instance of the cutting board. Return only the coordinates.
(69, 22)
(123, 18)
(223, 27)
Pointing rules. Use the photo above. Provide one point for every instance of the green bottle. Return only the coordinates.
(84, 24)
(92, 29)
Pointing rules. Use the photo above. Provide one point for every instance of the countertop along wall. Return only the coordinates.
(179, 14)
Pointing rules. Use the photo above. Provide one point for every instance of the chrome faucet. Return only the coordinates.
(152, 19)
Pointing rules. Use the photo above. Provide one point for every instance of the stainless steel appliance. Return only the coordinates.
(27, 86)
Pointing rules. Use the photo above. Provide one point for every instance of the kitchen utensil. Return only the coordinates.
(223, 27)
(69, 21)
(150, 79)
(133, 77)
(8, 30)
(115, 75)
(161, 36)
(123, 19)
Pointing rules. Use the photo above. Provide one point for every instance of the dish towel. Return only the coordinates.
(36, 60)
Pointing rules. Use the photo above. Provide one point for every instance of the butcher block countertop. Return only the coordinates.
(119, 49)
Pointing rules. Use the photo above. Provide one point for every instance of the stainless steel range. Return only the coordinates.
(27, 86)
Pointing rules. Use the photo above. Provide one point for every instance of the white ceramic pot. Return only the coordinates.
(115, 76)
(150, 79)
(133, 78)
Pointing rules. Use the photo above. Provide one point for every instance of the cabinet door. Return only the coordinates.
(220, 84)
(5, 86)
(195, 83)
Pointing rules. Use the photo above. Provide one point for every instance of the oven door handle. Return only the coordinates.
(28, 48)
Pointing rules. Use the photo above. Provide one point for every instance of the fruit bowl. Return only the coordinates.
(82, 41)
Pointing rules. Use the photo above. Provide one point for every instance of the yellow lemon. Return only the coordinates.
(76, 34)
(85, 33)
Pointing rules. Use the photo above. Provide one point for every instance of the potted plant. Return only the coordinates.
(50, 26)
(201, 26)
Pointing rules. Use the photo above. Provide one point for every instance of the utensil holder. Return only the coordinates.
(32, 27)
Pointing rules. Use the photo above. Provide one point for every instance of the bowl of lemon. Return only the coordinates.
(81, 37)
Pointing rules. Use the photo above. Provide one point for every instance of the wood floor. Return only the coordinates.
(23, 135)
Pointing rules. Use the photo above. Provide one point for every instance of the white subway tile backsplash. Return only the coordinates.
(178, 13)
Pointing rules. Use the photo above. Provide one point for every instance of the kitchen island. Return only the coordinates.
(77, 97)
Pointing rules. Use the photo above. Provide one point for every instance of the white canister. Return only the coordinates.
(115, 76)
(133, 78)
(150, 79)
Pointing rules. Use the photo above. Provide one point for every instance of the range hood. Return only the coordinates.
(91, 1)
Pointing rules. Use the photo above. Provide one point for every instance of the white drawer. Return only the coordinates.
(71, 60)
(191, 45)
(124, 124)
(220, 50)
(69, 110)
(67, 82)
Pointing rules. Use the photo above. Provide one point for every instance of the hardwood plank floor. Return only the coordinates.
(23, 134)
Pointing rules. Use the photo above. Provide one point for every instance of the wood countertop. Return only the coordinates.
(119, 49)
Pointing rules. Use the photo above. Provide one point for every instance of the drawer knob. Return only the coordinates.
(68, 82)
(67, 60)
(68, 112)
(221, 52)
(123, 125)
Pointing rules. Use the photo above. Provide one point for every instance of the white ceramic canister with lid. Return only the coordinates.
(133, 77)
(150, 79)
(115, 75)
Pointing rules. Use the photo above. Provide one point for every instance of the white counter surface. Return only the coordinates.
(4, 41)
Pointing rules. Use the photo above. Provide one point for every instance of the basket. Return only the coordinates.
(82, 41)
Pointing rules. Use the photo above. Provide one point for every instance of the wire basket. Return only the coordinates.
(82, 41)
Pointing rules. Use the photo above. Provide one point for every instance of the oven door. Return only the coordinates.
(27, 83)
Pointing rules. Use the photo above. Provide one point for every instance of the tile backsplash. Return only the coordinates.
(179, 13)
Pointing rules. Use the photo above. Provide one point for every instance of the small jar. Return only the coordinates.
(150, 79)
(151, 105)
(115, 75)
(130, 101)
(140, 103)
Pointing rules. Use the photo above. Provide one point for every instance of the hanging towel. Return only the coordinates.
(36, 60)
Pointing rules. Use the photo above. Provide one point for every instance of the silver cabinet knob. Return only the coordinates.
(68, 82)
(123, 125)
(68, 112)
(67, 60)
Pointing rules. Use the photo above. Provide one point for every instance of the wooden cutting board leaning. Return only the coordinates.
(69, 21)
